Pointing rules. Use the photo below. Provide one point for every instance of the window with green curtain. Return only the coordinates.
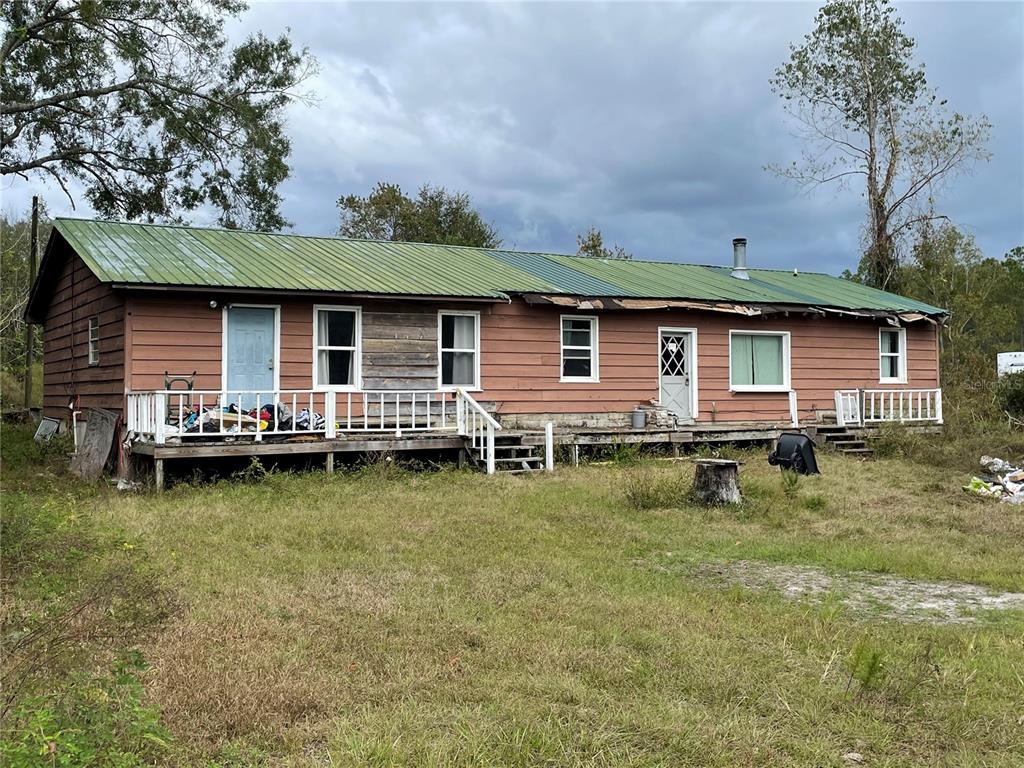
(757, 360)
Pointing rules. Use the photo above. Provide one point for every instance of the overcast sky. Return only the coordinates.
(651, 121)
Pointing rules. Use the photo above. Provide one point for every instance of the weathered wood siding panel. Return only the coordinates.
(77, 296)
(399, 347)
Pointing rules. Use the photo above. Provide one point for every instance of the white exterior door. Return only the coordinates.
(675, 395)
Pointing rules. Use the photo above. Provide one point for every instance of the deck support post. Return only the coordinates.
(549, 447)
(158, 471)
(490, 449)
(329, 463)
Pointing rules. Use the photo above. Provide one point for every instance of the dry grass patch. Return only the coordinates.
(449, 619)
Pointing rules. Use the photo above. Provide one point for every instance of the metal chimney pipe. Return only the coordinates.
(739, 258)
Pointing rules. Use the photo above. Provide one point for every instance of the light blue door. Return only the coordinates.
(250, 355)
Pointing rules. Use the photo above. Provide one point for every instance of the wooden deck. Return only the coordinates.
(576, 438)
(308, 445)
(425, 441)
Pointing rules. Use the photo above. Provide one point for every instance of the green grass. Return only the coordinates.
(447, 618)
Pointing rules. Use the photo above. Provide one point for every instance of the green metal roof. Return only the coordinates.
(147, 254)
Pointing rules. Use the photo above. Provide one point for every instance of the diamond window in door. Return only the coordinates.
(673, 356)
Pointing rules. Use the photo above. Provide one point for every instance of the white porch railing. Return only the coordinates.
(479, 426)
(195, 414)
(858, 407)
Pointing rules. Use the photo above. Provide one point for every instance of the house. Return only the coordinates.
(416, 340)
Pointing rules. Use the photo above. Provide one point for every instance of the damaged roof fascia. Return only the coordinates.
(747, 310)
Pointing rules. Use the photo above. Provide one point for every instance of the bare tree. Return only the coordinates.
(867, 116)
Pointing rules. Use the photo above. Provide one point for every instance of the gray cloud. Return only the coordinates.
(651, 121)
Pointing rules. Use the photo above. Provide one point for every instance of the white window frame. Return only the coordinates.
(356, 350)
(476, 351)
(787, 381)
(595, 372)
(94, 340)
(901, 365)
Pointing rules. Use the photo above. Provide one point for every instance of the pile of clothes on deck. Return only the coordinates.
(231, 420)
(1002, 481)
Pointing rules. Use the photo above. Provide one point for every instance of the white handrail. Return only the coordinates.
(478, 425)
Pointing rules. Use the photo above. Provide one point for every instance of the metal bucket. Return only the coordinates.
(639, 419)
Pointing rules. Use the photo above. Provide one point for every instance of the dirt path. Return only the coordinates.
(891, 596)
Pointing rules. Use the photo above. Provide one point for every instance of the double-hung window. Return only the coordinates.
(459, 349)
(759, 361)
(579, 348)
(337, 334)
(892, 355)
(94, 341)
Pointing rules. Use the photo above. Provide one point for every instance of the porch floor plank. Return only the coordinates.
(252, 448)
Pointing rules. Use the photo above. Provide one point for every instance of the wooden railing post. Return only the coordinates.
(938, 405)
(160, 418)
(840, 409)
(460, 412)
(330, 415)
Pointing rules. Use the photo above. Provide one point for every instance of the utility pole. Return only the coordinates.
(29, 328)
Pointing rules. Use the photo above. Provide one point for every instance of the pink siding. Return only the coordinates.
(520, 355)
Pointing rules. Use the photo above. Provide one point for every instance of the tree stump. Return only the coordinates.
(716, 481)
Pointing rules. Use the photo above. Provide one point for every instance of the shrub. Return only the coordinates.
(626, 454)
(790, 483)
(94, 721)
(1010, 394)
(865, 665)
(253, 474)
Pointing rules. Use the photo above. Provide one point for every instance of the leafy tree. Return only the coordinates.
(982, 295)
(433, 216)
(868, 116)
(591, 245)
(15, 241)
(145, 103)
